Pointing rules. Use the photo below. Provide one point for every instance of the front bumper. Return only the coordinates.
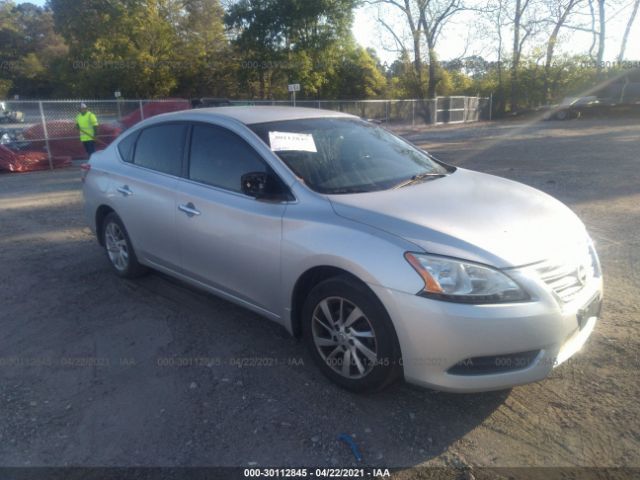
(435, 336)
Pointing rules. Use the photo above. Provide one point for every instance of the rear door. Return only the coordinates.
(145, 191)
(228, 240)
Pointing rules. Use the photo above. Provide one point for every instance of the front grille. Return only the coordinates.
(567, 276)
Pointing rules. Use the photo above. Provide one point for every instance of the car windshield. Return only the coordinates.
(338, 155)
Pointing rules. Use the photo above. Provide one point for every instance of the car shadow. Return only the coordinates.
(291, 414)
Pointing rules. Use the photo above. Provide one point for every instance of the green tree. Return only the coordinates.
(258, 42)
(122, 44)
(29, 49)
(208, 66)
(358, 75)
(403, 80)
(289, 41)
(144, 48)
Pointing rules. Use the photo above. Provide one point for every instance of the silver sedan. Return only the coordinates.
(388, 262)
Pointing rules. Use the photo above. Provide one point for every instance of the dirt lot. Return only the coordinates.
(88, 362)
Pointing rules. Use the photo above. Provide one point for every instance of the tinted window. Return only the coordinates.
(161, 148)
(125, 147)
(219, 157)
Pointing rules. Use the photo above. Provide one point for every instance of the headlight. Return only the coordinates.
(458, 281)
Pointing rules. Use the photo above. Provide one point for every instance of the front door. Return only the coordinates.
(228, 240)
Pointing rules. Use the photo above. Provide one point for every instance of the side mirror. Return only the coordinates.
(254, 184)
(264, 185)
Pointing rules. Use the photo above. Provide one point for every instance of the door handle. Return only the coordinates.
(124, 190)
(189, 209)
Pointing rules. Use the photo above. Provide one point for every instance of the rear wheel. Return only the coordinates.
(119, 249)
(350, 335)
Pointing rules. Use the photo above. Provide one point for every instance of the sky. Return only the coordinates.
(464, 37)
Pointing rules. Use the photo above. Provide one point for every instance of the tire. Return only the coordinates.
(118, 248)
(562, 115)
(373, 354)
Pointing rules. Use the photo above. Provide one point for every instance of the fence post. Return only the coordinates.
(490, 106)
(467, 109)
(141, 110)
(413, 113)
(435, 110)
(46, 135)
(386, 112)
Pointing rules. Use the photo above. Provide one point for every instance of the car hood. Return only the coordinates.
(470, 215)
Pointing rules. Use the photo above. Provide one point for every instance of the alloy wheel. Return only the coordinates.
(344, 337)
(117, 248)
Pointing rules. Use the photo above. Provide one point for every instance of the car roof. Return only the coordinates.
(250, 115)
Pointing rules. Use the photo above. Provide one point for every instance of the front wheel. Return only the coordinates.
(350, 335)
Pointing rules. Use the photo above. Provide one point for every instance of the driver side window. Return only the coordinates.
(219, 157)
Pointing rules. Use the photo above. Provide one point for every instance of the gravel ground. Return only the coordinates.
(90, 369)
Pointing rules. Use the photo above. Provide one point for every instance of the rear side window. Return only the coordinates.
(161, 148)
(125, 147)
(219, 157)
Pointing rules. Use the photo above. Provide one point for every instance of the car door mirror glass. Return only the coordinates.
(255, 184)
(264, 186)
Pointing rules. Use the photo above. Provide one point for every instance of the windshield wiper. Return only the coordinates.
(339, 191)
(418, 178)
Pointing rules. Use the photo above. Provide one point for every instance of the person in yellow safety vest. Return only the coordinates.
(87, 124)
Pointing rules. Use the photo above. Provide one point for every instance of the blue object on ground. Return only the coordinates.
(348, 439)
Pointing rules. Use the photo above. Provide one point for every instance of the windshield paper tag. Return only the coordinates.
(300, 142)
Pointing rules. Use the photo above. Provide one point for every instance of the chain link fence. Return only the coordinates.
(42, 134)
(436, 111)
